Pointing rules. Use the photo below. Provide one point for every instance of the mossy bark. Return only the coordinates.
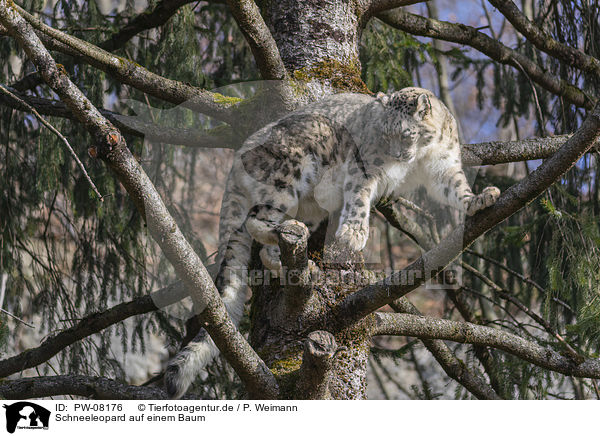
(279, 329)
(319, 43)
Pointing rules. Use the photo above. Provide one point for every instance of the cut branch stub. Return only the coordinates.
(293, 243)
(319, 349)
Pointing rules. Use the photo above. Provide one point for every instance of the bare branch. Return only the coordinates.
(89, 325)
(408, 226)
(219, 137)
(262, 44)
(319, 349)
(132, 74)
(16, 318)
(376, 6)
(59, 135)
(498, 152)
(97, 388)
(468, 333)
(293, 245)
(455, 368)
(111, 147)
(497, 51)
(543, 41)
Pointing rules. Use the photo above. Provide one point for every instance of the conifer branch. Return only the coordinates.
(459, 33)
(506, 296)
(162, 12)
(543, 41)
(111, 147)
(131, 73)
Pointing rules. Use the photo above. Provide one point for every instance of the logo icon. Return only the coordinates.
(26, 415)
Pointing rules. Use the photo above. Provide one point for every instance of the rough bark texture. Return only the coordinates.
(279, 323)
(326, 59)
(98, 388)
(329, 31)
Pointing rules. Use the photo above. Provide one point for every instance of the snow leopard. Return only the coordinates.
(336, 156)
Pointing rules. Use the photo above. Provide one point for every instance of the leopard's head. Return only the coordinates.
(410, 121)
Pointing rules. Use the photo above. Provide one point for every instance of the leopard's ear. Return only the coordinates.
(423, 107)
(382, 98)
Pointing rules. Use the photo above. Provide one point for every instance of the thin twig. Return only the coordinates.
(520, 276)
(17, 318)
(537, 102)
(595, 384)
(505, 295)
(57, 133)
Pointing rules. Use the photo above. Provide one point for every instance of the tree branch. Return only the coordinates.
(219, 137)
(376, 6)
(97, 388)
(111, 147)
(163, 11)
(441, 353)
(497, 51)
(455, 368)
(543, 41)
(263, 46)
(92, 323)
(368, 299)
(483, 153)
(317, 360)
(132, 74)
(467, 333)
(60, 136)
(293, 246)
(498, 152)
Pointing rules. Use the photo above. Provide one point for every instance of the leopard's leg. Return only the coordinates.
(448, 184)
(262, 223)
(359, 192)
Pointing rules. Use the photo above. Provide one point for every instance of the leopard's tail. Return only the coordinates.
(233, 259)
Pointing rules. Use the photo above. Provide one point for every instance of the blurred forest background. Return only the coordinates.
(64, 254)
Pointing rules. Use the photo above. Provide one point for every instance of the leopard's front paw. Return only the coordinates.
(270, 257)
(478, 202)
(353, 235)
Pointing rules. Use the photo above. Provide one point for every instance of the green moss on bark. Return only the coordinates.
(342, 77)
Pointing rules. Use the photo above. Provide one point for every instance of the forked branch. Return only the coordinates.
(468, 333)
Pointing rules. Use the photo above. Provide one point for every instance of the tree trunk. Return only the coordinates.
(318, 41)
(288, 329)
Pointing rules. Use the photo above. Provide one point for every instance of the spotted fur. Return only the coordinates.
(339, 155)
